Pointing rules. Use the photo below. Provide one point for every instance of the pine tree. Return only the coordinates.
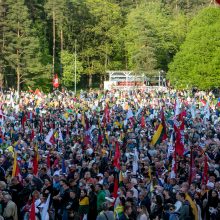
(2, 32)
(21, 50)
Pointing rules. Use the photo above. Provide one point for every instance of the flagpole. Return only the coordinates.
(75, 68)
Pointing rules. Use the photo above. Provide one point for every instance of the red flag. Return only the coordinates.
(15, 169)
(52, 139)
(218, 1)
(179, 130)
(116, 161)
(205, 171)
(143, 124)
(115, 192)
(55, 81)
(32, 212)
(37, 92)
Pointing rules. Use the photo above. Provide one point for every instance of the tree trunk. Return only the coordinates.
(106, 63)
(18, 79)
(18, 73)
(1, 78)
(90, 80)
(61, 40)
(54, 41)
(177, 5)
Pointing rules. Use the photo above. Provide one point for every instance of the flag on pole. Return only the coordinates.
(157, 137)
(50, 139)
(143, 124)
(55, 81)
(35, 160)
(32, 215)
(116, 160)
(179, 131)
(115, 192)
(160, 133)
(15, 169)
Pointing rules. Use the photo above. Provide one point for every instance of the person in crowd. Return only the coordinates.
(156, 150)
(105, 213)
(100, 196)
(143, 214)
(83, 204)
(10, 210)
(127, 212)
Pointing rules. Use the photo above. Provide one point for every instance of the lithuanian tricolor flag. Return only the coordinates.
(160, 133)
(15, 170)
(157, 137)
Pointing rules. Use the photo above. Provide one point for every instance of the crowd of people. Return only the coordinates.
(105, 155)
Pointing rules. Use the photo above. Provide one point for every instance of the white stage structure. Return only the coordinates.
(128, 80)
(124, 80)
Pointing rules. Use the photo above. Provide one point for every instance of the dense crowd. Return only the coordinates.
(109, 155)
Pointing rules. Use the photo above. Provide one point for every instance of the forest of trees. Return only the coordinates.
(40, 37)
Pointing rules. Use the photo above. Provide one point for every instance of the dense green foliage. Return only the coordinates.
(139, 35)
(197, 64)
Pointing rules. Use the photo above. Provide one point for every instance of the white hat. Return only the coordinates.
(100, 175)
(210, 184)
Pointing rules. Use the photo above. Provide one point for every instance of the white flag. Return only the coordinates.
(135, 161)
(48, 137)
